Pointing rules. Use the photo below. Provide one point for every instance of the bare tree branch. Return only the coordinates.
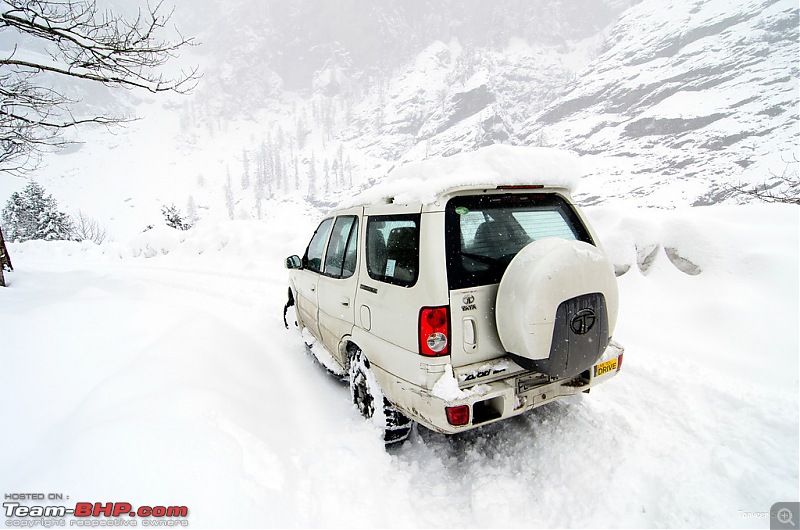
(83, 43)
(84, 228)
(783, 188)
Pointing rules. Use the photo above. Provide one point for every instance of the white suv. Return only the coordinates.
(459, 305)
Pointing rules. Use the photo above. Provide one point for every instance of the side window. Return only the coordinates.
(393, 249)
(350, 254)
(312, 260)
(340, 259)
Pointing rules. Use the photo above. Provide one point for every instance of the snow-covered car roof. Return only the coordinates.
(491, 166)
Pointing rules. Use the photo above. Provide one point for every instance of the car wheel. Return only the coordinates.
(367, 395)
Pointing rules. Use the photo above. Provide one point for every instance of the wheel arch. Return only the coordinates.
(347, 350)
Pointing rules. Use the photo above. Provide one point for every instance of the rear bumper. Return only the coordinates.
(501, 399)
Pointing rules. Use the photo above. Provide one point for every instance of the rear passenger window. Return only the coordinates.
(312, 260)
(340, 259)
(393, 249)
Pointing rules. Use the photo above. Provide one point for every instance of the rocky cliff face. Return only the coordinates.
(686, 99)
(452, 99)
(680, 101)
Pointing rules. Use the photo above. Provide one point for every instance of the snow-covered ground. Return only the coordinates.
(170, 380)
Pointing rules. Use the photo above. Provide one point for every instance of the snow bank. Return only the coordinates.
(252, 243)
(694, 240)
(489, 166)
(176, 377)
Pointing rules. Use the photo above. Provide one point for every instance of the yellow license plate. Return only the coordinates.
(606, 367)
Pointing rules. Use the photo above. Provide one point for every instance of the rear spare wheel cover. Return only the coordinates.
(551, 278)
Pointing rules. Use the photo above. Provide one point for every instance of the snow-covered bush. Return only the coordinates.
(31, 214)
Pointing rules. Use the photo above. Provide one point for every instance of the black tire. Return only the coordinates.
(366, 392)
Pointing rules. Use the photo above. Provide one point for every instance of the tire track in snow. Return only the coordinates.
(302, 387)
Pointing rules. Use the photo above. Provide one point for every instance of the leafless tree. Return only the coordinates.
(783, 188)
(79, 41)
(84, 228)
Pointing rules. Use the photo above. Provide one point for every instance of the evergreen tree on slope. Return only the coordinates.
(31, 214)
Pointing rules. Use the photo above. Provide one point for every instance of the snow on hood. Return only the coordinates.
(493, 165)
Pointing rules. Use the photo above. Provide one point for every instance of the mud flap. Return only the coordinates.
(289, 303)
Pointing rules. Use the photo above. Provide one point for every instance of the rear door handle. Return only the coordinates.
(345, 301)
(470, 335)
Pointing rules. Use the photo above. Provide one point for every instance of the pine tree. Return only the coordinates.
(278, 172)
(245, 170)
(326, 170)
(337, 181)
(348, 165)
(312, 176)
(31, 214)
(266, 163)
(229, 196)
(18, 220)
(259, 207)
(338, 166)
(191, 211)
(54, 225)
(301, 130)
(174, 218)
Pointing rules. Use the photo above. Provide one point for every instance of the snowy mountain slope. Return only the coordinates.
(453, 99)
(691, 110)
(171, 381)
(690, 95)
(663, 117)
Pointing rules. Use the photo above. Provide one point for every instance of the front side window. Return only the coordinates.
(393, 249)
(340, 259)
(484, 233)
(312, 260)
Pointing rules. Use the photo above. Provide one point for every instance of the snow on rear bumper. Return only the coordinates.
(503, 398)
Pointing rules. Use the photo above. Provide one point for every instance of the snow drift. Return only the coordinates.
(171, 380)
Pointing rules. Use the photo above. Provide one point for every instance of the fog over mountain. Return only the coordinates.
(693, 96)
(297, 39)
(669, 102)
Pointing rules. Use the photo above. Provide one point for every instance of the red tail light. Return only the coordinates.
(457, 415)
(434, 331)
(619, 362)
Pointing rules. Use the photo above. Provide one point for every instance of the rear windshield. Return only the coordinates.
(483, 233)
